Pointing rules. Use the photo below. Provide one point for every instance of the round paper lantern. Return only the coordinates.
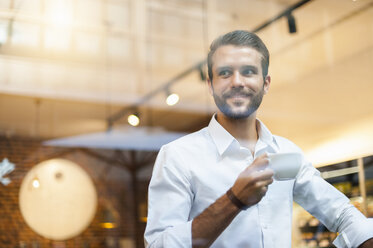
(58, 199)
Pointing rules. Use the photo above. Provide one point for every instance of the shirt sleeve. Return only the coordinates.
(332, 208)
(169, 203)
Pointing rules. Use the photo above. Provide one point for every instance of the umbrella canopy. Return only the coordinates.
(125, 138)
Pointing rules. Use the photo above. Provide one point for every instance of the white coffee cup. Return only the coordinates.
(285, 165)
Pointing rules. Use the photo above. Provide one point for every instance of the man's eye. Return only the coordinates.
(224, 73)
(247, 72)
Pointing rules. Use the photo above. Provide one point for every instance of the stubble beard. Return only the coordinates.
(228, 111)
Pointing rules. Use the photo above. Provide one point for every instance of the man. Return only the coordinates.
(213, 187)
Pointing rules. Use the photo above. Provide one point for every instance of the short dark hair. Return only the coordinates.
(239, 38)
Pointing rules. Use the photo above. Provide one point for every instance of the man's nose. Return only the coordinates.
(237, 80)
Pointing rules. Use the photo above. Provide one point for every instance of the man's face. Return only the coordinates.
(237, 85)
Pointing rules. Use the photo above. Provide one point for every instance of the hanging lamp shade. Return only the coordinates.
(57, 199)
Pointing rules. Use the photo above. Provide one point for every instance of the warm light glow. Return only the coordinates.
(35, 183)
(3, 33)
(133, 120)
(59, 20)
(353, 142)
(172, 99)
(65, 202)
(108, 225)
(58, 39)
(59, 13)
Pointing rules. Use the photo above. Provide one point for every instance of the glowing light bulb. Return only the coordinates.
(133, 120)
(35, 183)
(108, 225)
(172, 99)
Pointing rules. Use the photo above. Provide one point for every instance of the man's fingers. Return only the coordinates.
(260, 175)
(260, 163)
(262, 157)
(264, 183)
(267, 172)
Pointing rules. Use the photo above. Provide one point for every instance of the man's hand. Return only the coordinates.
(252, 184)
(250, 187)
(367, 244)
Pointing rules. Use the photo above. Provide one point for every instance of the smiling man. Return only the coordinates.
(214, 187)
(234, 68)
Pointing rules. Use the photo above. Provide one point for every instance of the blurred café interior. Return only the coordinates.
(91, 89)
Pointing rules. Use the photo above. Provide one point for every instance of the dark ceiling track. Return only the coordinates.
(117, 116)
(284, 13)
(148, 96)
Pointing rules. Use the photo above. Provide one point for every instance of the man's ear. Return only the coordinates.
(209, 83)
(267, 83)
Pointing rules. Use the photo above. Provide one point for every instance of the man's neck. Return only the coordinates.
(241, 129)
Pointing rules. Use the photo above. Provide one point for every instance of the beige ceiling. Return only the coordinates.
(87, 59)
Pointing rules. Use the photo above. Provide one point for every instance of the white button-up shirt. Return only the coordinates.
(192, 172)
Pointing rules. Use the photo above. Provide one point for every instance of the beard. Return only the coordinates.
(230, 112)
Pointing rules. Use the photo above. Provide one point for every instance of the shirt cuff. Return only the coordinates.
(355, 235)
(176, 236)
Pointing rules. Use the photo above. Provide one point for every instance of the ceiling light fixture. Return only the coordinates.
(134, 119)
(172, 98)
(291, 23)
(202, 73)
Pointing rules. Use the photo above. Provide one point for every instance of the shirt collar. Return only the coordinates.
(223, 139)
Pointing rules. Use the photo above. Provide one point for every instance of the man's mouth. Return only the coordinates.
(237, 95)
